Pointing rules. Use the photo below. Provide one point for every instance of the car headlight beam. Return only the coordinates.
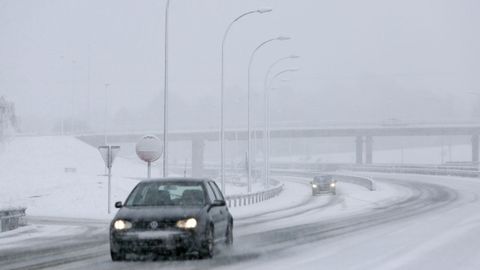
(122, 225)
(190, 223)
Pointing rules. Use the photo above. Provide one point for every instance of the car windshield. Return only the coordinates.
(167, 194)
(322, 179)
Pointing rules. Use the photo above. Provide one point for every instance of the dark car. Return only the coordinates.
(171, 216)
(324, 184)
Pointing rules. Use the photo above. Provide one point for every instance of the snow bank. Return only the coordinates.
(61, 176)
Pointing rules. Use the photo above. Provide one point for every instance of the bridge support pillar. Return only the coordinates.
(475, 148)
(198, 147)
(359, 150)
(368, 150)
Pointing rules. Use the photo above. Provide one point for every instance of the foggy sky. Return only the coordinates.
(361, 61)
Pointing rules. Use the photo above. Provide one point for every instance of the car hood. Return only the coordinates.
(157, 213)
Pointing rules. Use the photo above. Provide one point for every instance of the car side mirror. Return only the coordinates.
(118, 205)
(216, 203)
(219, 203)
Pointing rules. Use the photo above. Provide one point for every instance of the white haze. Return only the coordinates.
(361, 61)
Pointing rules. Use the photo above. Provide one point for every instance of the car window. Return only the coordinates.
(216, 190)
(167, 194)
(210, 193)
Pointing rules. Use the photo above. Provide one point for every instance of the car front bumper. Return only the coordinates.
(155, 241)
(323, 190)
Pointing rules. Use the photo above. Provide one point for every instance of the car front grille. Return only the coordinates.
(161, 224)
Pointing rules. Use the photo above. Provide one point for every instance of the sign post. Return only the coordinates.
(149, 168)
(109, 152)
(149, 149)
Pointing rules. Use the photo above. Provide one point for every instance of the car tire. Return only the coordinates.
(208, 245)
(229, 235)
(117, 256)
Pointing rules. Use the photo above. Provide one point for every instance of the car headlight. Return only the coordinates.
(332, 185)
(190, 223)
(314, 185)
(122, 225)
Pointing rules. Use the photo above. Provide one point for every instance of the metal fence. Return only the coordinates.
(11, 219)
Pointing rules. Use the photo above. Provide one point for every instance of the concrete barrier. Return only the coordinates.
(365, 182)
(353, 179)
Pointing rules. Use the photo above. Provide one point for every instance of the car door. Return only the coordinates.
(214, 212)
(223, 210)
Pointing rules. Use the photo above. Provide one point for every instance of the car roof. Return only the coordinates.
(176, 179)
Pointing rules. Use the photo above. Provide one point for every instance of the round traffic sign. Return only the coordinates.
(149, 148)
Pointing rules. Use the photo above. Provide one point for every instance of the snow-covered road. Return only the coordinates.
(410, 222)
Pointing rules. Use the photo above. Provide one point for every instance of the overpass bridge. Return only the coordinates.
(362, 135)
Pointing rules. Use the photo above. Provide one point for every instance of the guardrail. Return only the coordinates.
(447, 170)
(11, 219)
(418, 170)
(255, 197)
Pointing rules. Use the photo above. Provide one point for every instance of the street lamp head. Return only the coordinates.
(282, 38)
(294, 69)
(264, 10)
(293, 56)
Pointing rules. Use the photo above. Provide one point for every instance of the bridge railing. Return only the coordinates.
(11, 219)
(255, 197)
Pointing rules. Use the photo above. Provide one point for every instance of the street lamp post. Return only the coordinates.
(249, 137)
(267, 106)
(72, 116)
(105, 123)
(222, 89)
(474, 155)
(267, 117)
(165, 97)
(106, 114)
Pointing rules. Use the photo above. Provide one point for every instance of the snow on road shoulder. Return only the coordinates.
(31, 234)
